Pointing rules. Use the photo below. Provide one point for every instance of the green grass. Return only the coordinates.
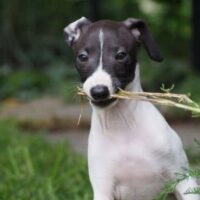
(35, 169)
(193, 155)
(32, 168)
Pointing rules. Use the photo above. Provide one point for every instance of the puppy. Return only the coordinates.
(132, 151)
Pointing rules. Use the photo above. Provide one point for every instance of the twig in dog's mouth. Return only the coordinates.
(81, 110)
(181, 101)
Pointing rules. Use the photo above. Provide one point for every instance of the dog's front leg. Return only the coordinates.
(102, 197)
(102, 191)
(102, 188)
(183, 186)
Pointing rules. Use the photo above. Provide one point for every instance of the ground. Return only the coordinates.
(60, 119)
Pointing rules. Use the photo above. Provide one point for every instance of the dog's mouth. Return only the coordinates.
(103, 103)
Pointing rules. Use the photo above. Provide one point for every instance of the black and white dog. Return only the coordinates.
(132, 150)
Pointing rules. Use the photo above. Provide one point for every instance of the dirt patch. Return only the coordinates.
(49, 113)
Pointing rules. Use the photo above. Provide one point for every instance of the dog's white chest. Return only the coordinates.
(137, 173)
(129, 163)
(132, 157)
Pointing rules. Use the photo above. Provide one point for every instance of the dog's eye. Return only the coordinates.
(121, 55)
(83, 57)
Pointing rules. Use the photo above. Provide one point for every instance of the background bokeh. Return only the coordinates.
(35, 59)
(42, 149)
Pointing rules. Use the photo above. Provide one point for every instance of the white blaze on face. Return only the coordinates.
(101, 40)
(100, 76)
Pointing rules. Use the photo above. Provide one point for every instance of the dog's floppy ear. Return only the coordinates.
(141, 32)
(72, 31)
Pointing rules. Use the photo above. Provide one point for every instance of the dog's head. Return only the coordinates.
(106, 54)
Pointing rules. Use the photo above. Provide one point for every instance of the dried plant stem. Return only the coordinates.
(159, 101)
(81, 110)
(167, 99)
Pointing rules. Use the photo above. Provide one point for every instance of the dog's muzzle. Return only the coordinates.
(101, 96)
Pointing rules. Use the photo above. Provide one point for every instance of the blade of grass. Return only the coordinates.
(28, 160)
(13, 162)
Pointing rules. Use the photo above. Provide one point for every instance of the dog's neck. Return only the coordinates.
(135, 85)
(121, 113)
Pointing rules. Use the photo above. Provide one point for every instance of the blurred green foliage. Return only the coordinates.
(22, 84)
(31, 83)
(190, 86)
(33, 168)
(35, 59)
(31, 33)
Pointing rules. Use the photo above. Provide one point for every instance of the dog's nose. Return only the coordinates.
(99, 92)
